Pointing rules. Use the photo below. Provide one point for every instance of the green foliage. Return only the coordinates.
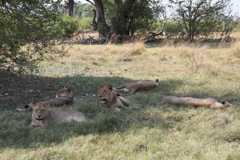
(143, 17)
(133, 17)
(84, 10)
(109, 9)
(197, 16)
(207, 26)
(157, 25)
(24, 30)
(68, 26)
(169, 26)
(237, 27)
(172, 26)
(84, 24)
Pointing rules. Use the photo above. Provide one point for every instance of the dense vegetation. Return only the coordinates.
(30, 28)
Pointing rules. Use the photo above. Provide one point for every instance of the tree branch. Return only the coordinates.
(90, 2)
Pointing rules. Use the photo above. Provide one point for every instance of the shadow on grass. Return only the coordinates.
(105, 122)
(18, 91)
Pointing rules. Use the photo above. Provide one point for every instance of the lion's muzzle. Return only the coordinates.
(39, 118)
(102, 100)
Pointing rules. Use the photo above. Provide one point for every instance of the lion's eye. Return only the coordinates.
(42, 110)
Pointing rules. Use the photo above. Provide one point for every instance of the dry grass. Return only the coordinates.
(155, 131)
(236, 49)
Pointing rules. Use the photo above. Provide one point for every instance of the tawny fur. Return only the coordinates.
(63, 97)
(139, 86)
(42, 116)
(207, 102)
(109, 98)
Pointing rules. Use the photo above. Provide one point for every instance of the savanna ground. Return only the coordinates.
(155, 130)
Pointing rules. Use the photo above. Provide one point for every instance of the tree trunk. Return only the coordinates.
(70, 5)
(102, 26)
(94, 23)
(122, 24)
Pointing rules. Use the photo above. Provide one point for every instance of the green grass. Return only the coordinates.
(154, 131)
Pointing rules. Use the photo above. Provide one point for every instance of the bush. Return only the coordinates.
(237, 28)
(84, 24)
(25, 33)
(168, 26)
(172, 26)
(67, 26)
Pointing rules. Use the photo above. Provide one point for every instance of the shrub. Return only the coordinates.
(172, 26)
(67, 26)
(237, 28)
(84, 24)
(25, 33)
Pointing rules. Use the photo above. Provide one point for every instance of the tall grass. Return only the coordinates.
(155, 130)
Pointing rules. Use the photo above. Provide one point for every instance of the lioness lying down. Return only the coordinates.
(63, 97)
(42, 116)
(143, 85)
(207, 102)
(109, 98)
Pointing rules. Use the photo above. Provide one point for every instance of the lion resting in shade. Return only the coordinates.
(110, 99)
(64, 96)
(144, 85)
(42, 116)
(196, 102)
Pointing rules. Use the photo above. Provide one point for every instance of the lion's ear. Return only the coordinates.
(67, 86)
(100, 86)
(33, 102)
(110, 87)
(46, 104)
(32, 105)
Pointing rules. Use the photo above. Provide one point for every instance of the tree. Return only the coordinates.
(100, 24)
(84, 10)
(131, 15)
(70, 6)
(196, 15)
(228, 24)
(125, 16)
(25, 29)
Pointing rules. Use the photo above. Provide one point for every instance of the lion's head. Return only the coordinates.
(106, 94)
(40, 110)
(65, 92)
(227, 104)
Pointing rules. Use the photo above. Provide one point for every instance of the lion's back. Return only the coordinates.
(59, 116)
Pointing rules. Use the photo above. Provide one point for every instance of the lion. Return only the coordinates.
(110, 99)
(143, 85)
(42, 116)
(195, 102)
(63, 97)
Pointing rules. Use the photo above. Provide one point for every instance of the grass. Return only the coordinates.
(154, 131)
